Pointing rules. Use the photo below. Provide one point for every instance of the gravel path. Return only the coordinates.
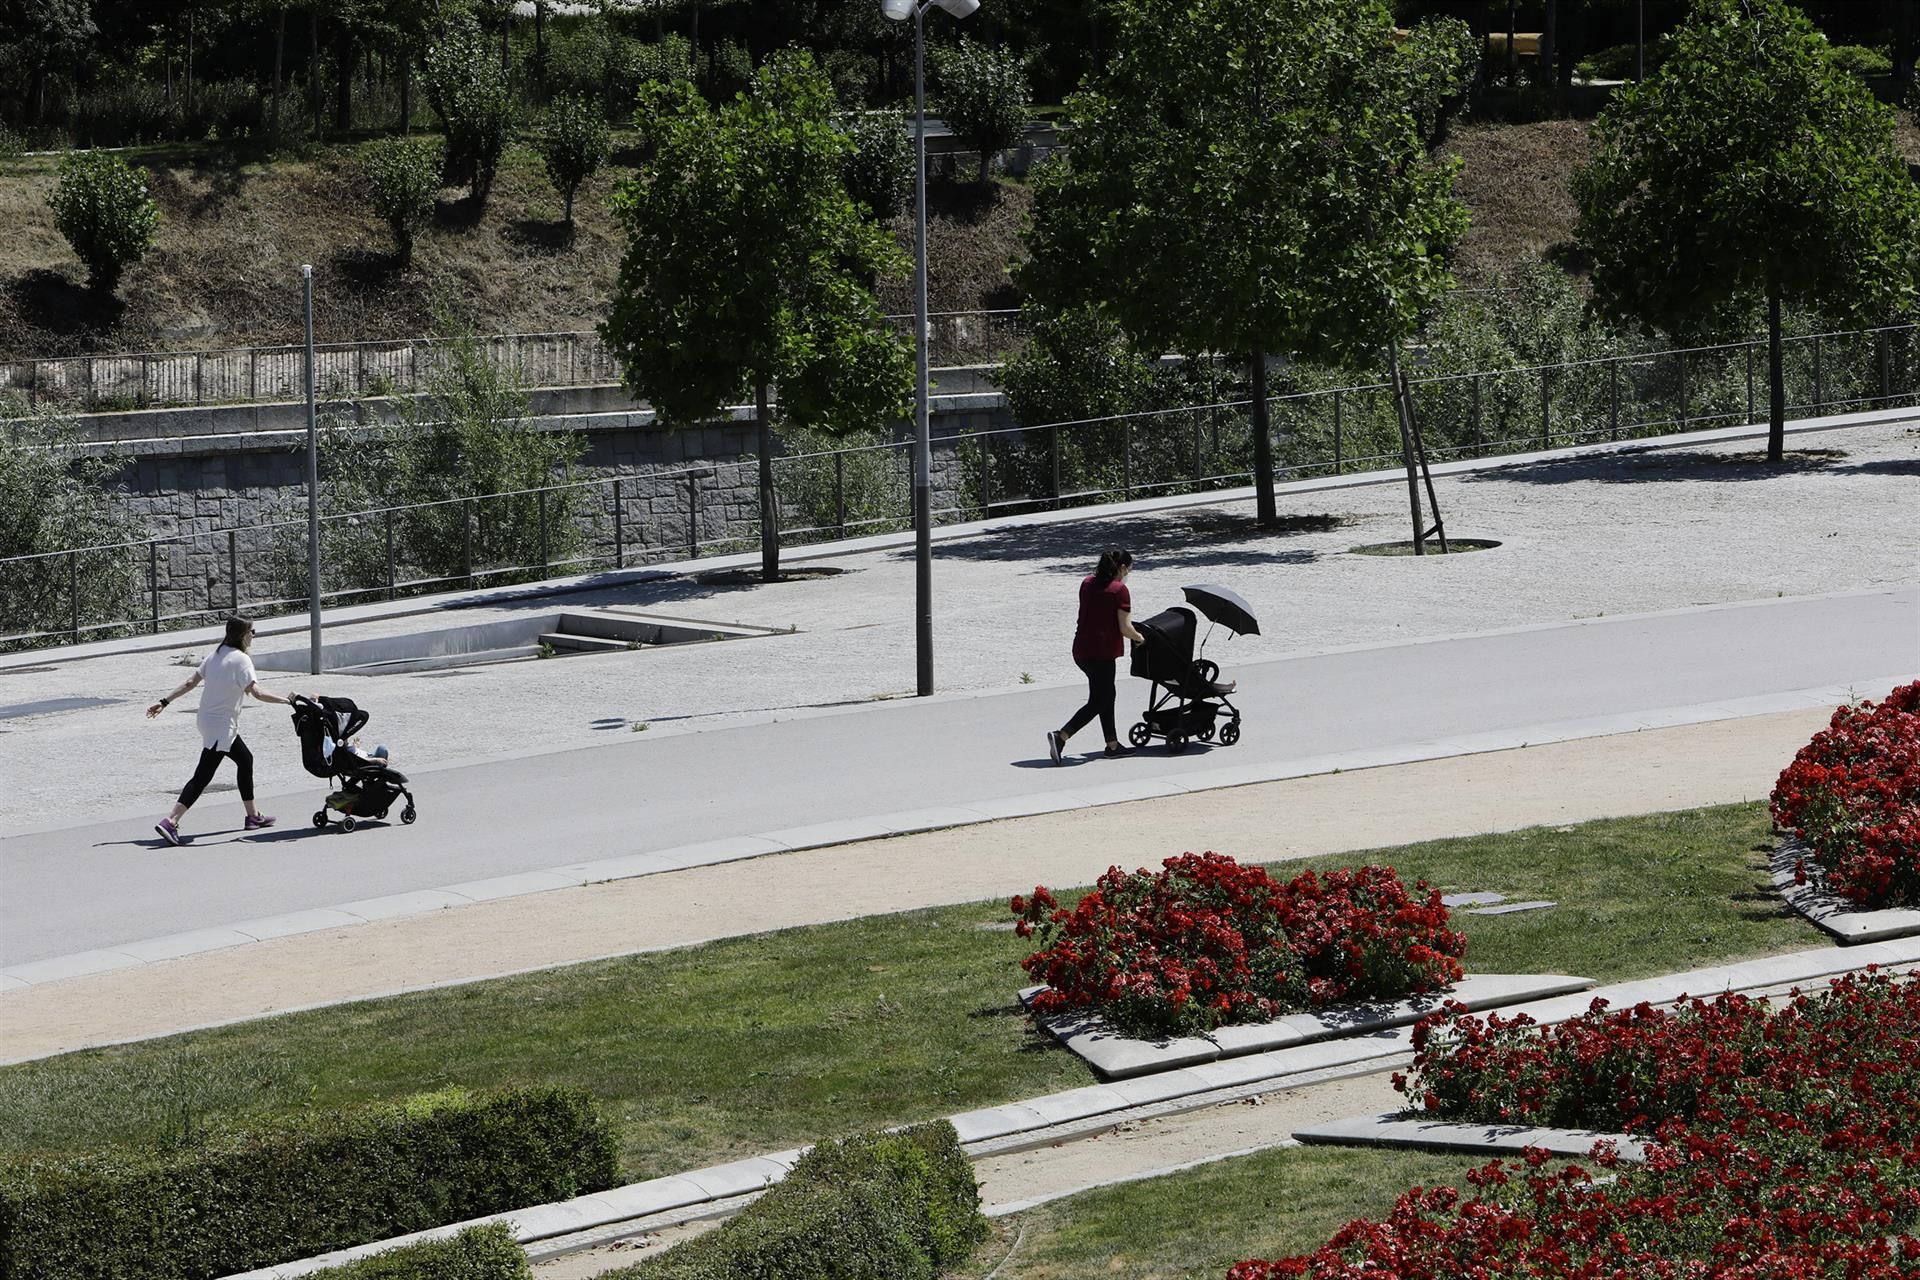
(1581, 537)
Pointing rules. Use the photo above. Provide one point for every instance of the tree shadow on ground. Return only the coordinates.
(223, 171)
(1887, 467)
(1168, 539)
(460, 214)
(536, 235)
(53, 303)
(1663, 466)
(368, 268)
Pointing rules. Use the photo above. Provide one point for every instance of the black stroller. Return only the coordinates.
(1188, 698)
(368, 787)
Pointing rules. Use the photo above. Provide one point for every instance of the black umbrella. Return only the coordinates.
(1225, 607)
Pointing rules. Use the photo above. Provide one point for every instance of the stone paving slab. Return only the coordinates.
(1395, 1129)
(1848, 924)
(401, 904)
(1509, 908)
(1116, 1056)
(296, 922)
(173, 946)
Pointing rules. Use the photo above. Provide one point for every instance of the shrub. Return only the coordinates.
(469, 92)
(1205, 942)
(1442, 58)
(403, 174)
(1853, 795)
(573, 145)
(1616, 61)
(244, 1200)
(1790, 1146)
(664, 61)
(900, 1205)
(12, 145)
(224, 110)
(1862, 60)
(726, 71)
(54, 497)
(878, 170)
(478, 1253)
(123, 111)
(984, 98)
(101, 206)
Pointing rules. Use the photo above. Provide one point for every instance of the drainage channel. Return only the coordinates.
(558, 634)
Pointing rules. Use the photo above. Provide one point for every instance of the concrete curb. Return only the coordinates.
(348, 615)
(880, 826)
(1395, 1130)
(1848, 925)
(1033, 1116)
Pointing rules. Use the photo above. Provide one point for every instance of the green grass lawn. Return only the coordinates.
(754, 1044)
(1194, 1225)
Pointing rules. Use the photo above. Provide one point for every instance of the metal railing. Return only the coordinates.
(686, 513)
(395, 366)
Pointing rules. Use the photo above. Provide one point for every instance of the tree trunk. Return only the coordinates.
(1402, 410)
(506, 44)
(279, 83)
(1776, 383)
(406, 90)
(769, 508)
(1549, 70)
(1268, 510)
(313, 66)
(569, 213)
(345, 54)
(540, 38)
(1513, 57)
(189, 76)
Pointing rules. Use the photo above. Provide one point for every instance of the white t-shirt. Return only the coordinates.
(224, 678)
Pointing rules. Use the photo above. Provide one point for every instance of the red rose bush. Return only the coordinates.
(1853, 795)
(1785, 1144)
(1205, 942)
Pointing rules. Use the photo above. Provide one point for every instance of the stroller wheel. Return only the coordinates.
(347, 823)
(319, 817)
(1140, 734)
(1176, 743)
(1206, 734)
(1229, 733)
(382, 815)
(408, 814)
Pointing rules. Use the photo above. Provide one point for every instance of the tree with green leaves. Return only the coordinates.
(403, 177)
(982, 94)
(41, 41)
(879, 167)
(1248, 178)
(468, 89)
(745, 269)
(102, 207)
(574, 143)
(1748, 173)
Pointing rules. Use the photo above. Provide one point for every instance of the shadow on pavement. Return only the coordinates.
(1171, 539)
(1684, 465)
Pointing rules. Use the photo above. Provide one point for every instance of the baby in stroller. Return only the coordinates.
(368, 784)
(1188, 698)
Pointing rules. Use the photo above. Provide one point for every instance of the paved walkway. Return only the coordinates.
(1691, 523)
(1658, 769)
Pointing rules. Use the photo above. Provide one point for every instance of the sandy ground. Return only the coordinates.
(1650, 771)
(1134, 1149)
(1584, 537)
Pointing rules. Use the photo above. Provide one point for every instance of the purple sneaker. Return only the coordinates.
(255, 824)
(168, 832)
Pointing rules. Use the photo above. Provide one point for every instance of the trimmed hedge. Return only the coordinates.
(244, 1200)
(903, 1206)
(478, 1253)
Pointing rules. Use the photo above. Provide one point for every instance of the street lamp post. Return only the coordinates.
(900, 11)
(313, 493)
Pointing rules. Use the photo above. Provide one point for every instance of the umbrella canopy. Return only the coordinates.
(1223, 606)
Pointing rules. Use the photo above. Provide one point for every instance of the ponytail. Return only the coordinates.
(1111, 562)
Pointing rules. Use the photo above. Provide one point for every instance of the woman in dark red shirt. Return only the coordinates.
(1106, 623)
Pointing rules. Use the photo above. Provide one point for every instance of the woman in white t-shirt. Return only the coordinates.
(228, 676)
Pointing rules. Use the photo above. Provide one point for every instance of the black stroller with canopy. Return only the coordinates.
(368, 785)
(1188, 700)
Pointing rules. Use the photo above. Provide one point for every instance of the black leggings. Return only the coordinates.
(1099, 672)
(210, 760)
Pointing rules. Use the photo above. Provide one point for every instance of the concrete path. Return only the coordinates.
(956, 760)
(1722, 761)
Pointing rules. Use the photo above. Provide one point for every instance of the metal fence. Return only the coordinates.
(348, 370)
(686, 513)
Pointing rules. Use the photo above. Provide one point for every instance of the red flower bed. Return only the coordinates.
(1205, 941)
(1853, 794)
(1785, 1145)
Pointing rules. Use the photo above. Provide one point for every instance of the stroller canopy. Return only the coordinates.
(1168, 651)
(320, 721)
